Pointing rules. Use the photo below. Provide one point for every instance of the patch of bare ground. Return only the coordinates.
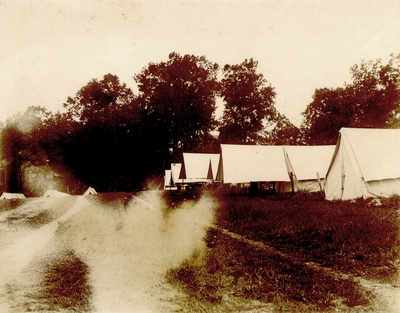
(112, 257)
(30, 215)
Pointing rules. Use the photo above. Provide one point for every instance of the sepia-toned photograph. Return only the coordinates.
(217, 156)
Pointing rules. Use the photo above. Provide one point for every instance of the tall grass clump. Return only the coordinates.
(358, 237)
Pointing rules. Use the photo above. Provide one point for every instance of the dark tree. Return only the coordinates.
(100, 102)
(102, 147)
(283, 132)
(249, 103)
(20, 147)
(371, 100)
(330, 110)
(177, 101)
(376, 93)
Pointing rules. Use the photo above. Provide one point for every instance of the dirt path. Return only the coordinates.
(17, 255)
(127, 250)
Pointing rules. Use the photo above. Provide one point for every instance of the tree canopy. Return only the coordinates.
(249, 103)
(177, 100)
(371, 100)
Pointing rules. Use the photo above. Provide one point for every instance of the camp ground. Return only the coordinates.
(7, 195)
(309, 165)
(51, 193)
(365, 163)
(198, 168)
(257, 167)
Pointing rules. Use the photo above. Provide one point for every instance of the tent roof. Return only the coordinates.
(307, 161)
(90, 191)
(243, 163)
(376, 151)
(7, 195)
(197, 166)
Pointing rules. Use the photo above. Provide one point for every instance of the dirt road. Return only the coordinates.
(119, 253)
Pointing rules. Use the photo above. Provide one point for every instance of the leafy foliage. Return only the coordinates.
(104, 120)
(371, 100)
(283, 132)
(99, 102)
(177, 101)
(248, 103)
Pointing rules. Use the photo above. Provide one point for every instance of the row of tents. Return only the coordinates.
(50, 193)
(283, 168)
(364, 163)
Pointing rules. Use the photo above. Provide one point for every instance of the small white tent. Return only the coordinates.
(245, 163)
(199, 167)
(175, 171)
(50, 193)
(90, 191)
(309, 165)
(7, 195)
(168, 180)
(366, 163)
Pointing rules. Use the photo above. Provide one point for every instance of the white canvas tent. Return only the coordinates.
(7, 195)
(246, 164)
(175, 171)
(168, 183)
(199, 167)
(309, 165)
(90, 191)
(366, 163)
(50, 193)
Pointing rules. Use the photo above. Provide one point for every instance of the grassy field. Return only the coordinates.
(298, 253)
(191, 252)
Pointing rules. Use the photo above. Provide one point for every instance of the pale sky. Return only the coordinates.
(50, 49)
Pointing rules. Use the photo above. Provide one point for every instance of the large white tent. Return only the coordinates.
(251, 163)
(199, 167)
(309, 165)
(366, 163)
(7, 195)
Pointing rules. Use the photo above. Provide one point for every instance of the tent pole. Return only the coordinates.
(291, 181)
(320, 184)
